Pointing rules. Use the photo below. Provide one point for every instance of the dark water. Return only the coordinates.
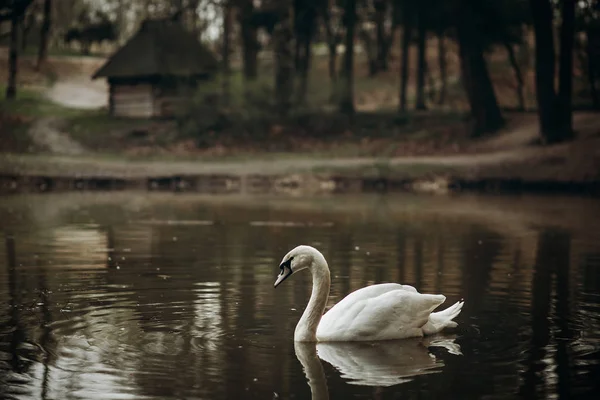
(123, 296)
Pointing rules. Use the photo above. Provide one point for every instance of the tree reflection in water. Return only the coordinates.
(551, 335)
(178, 308)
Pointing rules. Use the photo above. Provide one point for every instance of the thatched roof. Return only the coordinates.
(159, 48)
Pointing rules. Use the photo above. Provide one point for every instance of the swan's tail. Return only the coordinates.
(443, 319)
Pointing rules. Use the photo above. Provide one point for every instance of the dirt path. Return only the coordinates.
(569, 162)
(74, 86)
(79, 92)
(98, 166)
(46, 133)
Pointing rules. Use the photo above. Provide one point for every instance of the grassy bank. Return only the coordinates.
(247, 137)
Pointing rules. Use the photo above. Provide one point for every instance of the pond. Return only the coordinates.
(170, 296)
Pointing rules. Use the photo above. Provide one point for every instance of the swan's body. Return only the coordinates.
(379, 312)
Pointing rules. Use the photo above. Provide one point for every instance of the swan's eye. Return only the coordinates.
(287, 264)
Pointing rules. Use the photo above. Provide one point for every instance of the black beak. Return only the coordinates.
(286, 272)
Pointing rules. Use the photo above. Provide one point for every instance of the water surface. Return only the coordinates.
(165, 296)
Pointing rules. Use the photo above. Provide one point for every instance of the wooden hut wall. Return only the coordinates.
(132, 100)
(170, 97)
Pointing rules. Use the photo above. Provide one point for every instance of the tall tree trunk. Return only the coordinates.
(384, 58)
(404, 71)
(443, 69)
(518, 75)
(284, 59)
(545, 69)
(477, 81)
(565, 72)
(593, 37)
(249, 41)
(431, 82)
(26, 25)
(305, 20)
(331, 41)
(331, 65)
(347, 98)
(381, 59)
(369, 51)
(13, 57)
(305, 60)
(421, 60)
(227, 14)
(44, 34)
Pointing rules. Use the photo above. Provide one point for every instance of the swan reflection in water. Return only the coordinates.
(380, 364)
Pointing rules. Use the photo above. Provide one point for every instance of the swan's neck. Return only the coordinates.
(306, 330)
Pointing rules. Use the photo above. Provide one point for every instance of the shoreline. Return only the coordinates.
(444, 181)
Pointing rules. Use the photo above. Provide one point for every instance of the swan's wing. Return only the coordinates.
(369, 292)
(391, 315)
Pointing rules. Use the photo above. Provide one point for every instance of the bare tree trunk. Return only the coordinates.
(421, 60)
(331, 66)
(27, 22)
(347, 100)
(227, 14)
(13, 57)
(431, 82)
(331, 42)
(381, 58)
(545, 69)
(592, 66)
(249, 40)
(565, 72)
(305, 15)
(476, 79)
(443, 69)
(44, 34)
(404, 72)
(518, 75)
(305, 60)
(284, 59)
(297, 55)
(370, 51)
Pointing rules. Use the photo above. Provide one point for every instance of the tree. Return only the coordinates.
(382, 40)
(44, 34)
(407, 17)
(227, 14)
(284, 60)
(332, 37)
(565, 72)
(248, 38)
(386, 39)
(443, 68)
(347, 96)
(28, 20)
(421, 55)
(473, 34)
(552, 123)
(13, 10)
(13, 57)
(518, 75)
(305, 16)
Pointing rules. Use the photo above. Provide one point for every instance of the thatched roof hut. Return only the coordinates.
(156, 69)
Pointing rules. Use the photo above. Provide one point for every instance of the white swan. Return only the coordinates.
(378, 312)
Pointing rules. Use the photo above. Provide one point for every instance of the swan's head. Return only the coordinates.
(300, 258)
